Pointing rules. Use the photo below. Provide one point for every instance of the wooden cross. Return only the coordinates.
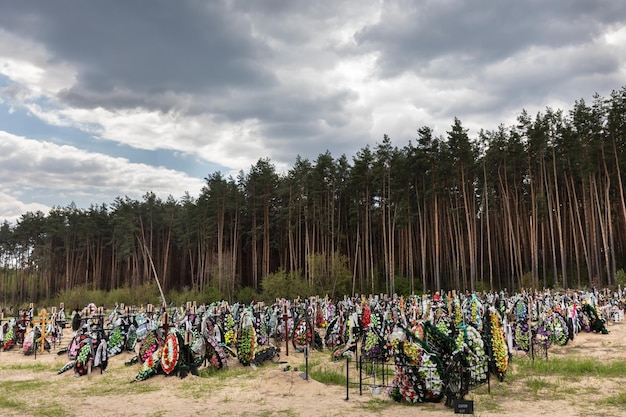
(22, 329)
(165, 325)
(43, 321)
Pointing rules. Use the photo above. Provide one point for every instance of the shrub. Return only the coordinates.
(282, 284)
(246, 295)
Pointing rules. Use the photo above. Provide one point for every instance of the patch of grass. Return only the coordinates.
(572, 367)
(537, 384)
(50, 410)
(327, 376)
(193, 389)
(488, 403)
(35, 367)
(499, 390)
(25, 386)
(568, 389)
(557, 377)
(11, 403)
(376, 405)
(338, 413)
(223, 374)
(272, 413)
(618, 400)
(14, 391)
(327, 373)
(139, 388)
(107, 386)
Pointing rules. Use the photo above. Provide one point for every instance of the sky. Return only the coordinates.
(118, 98)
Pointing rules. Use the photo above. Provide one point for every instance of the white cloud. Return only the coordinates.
(28, 64)
(27, 164)
(11, 208)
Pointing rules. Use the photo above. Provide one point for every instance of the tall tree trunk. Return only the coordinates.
(559, 222)
(488, 232)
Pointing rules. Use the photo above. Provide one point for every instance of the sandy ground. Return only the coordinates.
(31, 386)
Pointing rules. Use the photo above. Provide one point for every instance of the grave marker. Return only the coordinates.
(165, 324)
(463, 407)
(43, 321)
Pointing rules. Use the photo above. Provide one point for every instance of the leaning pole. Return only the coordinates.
(156, 278)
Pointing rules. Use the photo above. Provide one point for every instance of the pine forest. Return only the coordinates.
(540, 204)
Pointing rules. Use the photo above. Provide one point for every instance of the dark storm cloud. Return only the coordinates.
(148, 48)
(306, 106)
(193, 57)
(268, 64)
(411, 34)
(490, 59)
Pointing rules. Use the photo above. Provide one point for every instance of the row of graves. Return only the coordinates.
(417, 349)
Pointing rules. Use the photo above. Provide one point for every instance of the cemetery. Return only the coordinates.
(449, 353)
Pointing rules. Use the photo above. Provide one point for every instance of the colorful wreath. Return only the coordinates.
(9, 339)
(474, 313)
(150, 366)
(458, 312)
(543, 337)
(417, 375)
(584, 321)
(521, 336)
(476, 358)
(28, 345)
(302, 335)
(443, 325)
(329, 312)
(333, 338)
(597, 324)
(116, 342)
(498, 344)
(81, 366)
(131, 339)
(521, 310)
(246, 344)
(215, 354)
(366, 316)
(169, 353)
(260, 326)
(438, 341)
(149, 345)
(558, 327)
(229, 334)
(72, 350)
(320, 321)
(374, 347)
